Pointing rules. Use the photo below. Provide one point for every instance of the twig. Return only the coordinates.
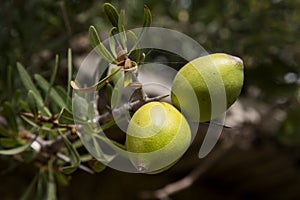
(165, 192)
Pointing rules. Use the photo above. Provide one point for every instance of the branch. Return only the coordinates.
(165, 192)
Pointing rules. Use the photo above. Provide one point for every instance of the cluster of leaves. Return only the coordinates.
(38, 126)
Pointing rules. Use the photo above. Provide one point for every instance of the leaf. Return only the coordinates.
(70, 67)
(31, 189)
(51, 186)
(98, 45)
(112, 42)
(10, 116)
(97, 86)
(41, 185)
(17, 149)
(46, 87)
(111, 13)
(8, 142)
(73, 154)
(135, 48)
(32, 123)
(101, 83)
(27, 82)
(61, 179)
(39, 102)
(97, 166)
(121, 29)
(52, 79)
(127, 78)
(24, 105)
(29, 85)
(65, 117)
(3, 131)
(147, 17)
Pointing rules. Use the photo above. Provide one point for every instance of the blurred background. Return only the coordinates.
(264, 159)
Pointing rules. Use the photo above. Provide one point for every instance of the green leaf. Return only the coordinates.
(51, 185)
(17, 149)
(31, 189)
(27, 82)
(102, 82)
(111, 13)
(65, 117)
(3, 131)
(86, 157)
(121, 29)
(52, 79)
(10, 116)
(70, 68)
(112, 42)
(97, 166)
(46, 87)
(24, 105)
(61, 179)
(41, 185)
(147, 17)
(8, 142)
(73, 155)
(29, 85)
(98, 45)
(135, 48)
(32, 123)
(127, 78)
(35, 100)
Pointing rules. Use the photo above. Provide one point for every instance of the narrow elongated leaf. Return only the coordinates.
(73, 155)
(97, 86)
(8, 142)
(25, 106)
(98, 45)
(52, 79)
(111, 13)
(39, 102)
(46, 87)
(121, 29)
(41, 185)
(70, 69)
(31, 189)
(102, 82)
(51, 185)
(147, 17)
(135, 41)
(112, 42)
(3, 131)
(16, 150)
(10, 116)
(127, 79)
(65, 117)
(27, 82)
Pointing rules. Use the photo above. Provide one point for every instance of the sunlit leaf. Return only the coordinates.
(147, 17)
(111, 13)
(127, 79)
(70, 69)
(121, 29)
(46, 87)
(98, 45)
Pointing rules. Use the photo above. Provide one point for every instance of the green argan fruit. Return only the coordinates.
(214, 78)
(158, 135)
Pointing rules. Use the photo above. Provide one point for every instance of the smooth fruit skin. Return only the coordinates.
(220, 71)
(159, 134)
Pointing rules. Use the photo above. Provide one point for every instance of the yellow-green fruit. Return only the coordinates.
(157, 135)
(213, 80)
